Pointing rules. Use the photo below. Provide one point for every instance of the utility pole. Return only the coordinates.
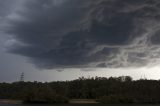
(22, 77)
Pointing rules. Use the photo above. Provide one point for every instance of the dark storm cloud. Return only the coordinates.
(86, 33)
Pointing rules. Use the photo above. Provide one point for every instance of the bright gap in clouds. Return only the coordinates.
(71, 74)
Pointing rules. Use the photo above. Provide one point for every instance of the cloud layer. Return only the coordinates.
(85, 33)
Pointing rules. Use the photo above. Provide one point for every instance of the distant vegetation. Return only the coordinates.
(105, 90)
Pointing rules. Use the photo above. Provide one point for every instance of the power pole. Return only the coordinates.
(22, 77)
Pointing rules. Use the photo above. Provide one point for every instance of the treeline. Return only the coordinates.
(105, 90)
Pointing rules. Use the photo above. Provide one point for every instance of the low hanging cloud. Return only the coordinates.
(86, 33)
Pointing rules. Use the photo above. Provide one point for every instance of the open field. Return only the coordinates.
(83, 101)
(8, 101)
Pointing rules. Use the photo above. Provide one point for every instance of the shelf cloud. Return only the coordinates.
(84, 33)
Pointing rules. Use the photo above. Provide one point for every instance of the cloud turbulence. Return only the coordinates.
(85, 33)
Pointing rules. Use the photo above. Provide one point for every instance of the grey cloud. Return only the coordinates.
(155, 39)
(86, 33)
(5, 7)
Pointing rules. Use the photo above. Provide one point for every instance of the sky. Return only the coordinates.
(52, 40)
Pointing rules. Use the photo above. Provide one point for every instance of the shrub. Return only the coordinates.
(43, 95)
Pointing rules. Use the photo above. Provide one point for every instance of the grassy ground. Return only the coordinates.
(7, 101)
(83, 101)
(72, 101)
